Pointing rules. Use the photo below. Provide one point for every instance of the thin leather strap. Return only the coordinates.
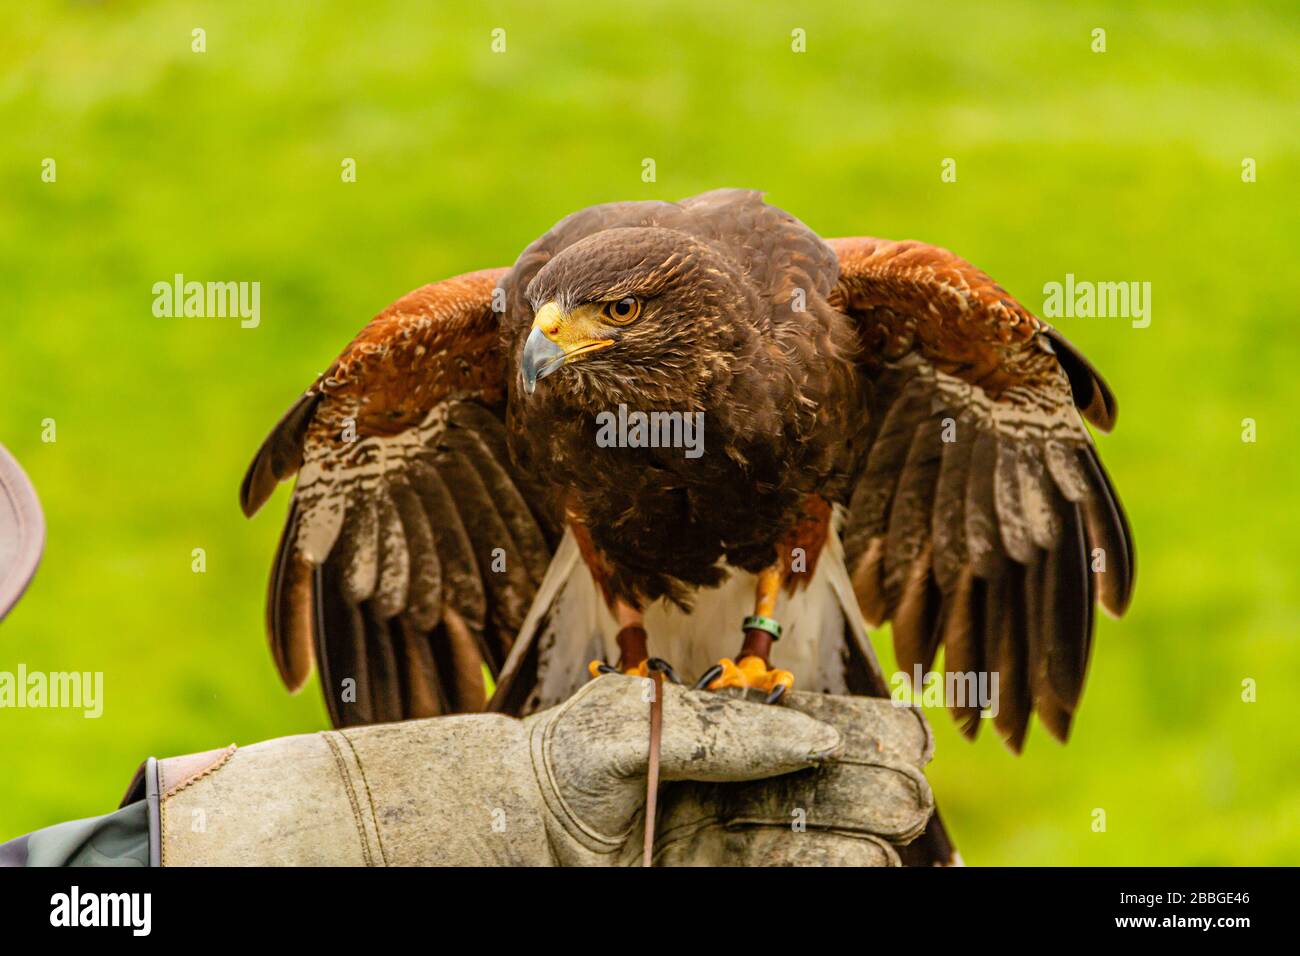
(652, 771)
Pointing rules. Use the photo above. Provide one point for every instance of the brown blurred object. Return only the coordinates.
(22, 531)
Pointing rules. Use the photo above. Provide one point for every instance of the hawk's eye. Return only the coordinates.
(624, 310)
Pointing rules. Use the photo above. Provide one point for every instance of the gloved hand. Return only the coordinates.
(566, 786)
(853, 810)
(591, 754)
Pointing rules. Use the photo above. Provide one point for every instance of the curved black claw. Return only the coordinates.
(710, 675)
(659, 664)
(608, 669)
(775, 694)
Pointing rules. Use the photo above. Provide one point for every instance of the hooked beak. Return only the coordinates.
(541, 358)
(558, 337)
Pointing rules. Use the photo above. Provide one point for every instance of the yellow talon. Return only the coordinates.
(751, 672)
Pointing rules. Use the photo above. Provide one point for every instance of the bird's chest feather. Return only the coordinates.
(670, 504)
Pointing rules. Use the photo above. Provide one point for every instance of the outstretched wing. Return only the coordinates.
(980, 518)
(412, 551)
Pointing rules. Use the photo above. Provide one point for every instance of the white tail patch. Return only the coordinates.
(580, 628)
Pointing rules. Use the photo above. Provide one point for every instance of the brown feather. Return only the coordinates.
(1006, 653)
(279, 456)
(463, 663)
(1037, 494)
(868, 583)
(461, 579)
(963, 643)
(509, 590)
(424, 595)
(916, 622)
(1009, 505)
(1065, 469)
(983, 542)
(1054, 714)
(1108, 530)
(382, 664)
(1066, 625)
(481, 439)
(356, 553)
(340, 634)
(948, 528)
(289, 610)
(869, 510)
(1091, 393)
(379, 574)
(908, 533)
(422, 694)
(393, 586)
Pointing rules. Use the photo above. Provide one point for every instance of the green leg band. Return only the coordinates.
(759, 623)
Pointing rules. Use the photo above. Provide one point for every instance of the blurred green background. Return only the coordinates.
(1122, 165)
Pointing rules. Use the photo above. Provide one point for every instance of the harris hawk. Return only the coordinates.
(887, 435)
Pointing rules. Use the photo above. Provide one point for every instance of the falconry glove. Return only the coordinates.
(821, 780)
(857, 809)
(591, 756)
(566, 786)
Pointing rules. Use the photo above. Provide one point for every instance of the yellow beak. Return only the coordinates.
(558, 337)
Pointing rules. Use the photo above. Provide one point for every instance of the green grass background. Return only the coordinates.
(225, 165)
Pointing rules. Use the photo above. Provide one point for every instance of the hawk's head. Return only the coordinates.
(635, 309)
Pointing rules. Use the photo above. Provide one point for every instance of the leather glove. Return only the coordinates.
(592, 753)
(853, 810)
(566, 786)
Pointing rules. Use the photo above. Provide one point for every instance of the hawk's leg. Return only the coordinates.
(751, 668)
(634, 658)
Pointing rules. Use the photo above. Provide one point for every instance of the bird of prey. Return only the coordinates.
(884, 434)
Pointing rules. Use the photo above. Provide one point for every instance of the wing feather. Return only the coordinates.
(1009, 505)
(340, 641)
(424, 605)
(358, 550)
(393, 586)
(869, 510)
(963, 642)
(983, 544)
(908, 533)
(422, 685)
(1108, 534)
(462, 579)
(949, 517)
(405, 492)
(381, 665)
(916, 623)
(506, 584)
(289, 607)
(1007, 652)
